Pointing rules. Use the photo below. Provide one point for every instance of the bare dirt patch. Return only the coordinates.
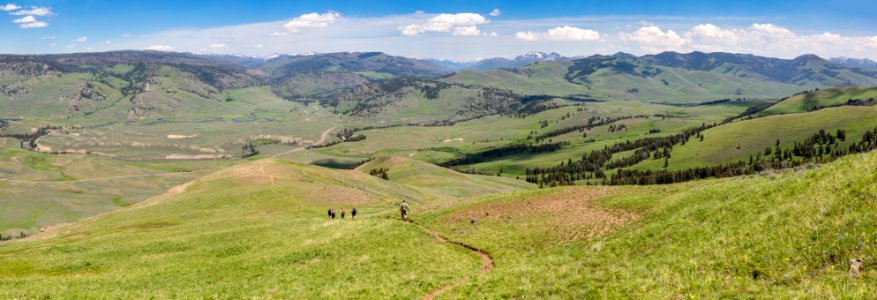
(572, 213)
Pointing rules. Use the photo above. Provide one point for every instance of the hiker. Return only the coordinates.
(353, 213)
(403, 208)
(333, 212)
(343, 212)
(329, 213)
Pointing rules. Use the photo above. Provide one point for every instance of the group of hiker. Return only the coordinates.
(403, 209)
(343, 213)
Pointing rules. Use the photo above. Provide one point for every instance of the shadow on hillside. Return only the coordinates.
(337, 164)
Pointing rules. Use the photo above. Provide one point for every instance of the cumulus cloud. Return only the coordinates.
(563, 33)
(30, 22)
(462, 24)
(709, 37)
(495, 12)
(34, 11)
(35, 24)
(160, 48)
(26, 19)
(278, 33)
(82, 39)
(312, 20)
(9, 7)
(652, 39)
(759, 39)
(872, 42)
(218, 45)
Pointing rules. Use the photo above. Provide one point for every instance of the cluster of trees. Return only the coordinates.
(594, 121)
(592, 164)
(349, 135)
(478, 157)
(20, 235)
(28, 141)
(380, 173)
(850, 102)
(819, 148)
(249, 150)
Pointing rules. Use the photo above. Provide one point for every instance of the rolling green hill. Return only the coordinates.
(739, 140)
(254, 230)
(260, 230)
(813, 100)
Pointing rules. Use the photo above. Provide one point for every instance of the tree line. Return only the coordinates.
(821, 147)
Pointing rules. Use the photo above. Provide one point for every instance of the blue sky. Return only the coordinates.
(459, 30)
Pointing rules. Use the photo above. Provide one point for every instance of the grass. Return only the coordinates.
(259, 230)
(808, 101)
(52, 195)
(721, 143)
(787, 235)
(254, 230)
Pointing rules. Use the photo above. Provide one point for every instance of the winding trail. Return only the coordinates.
(322, 139)
(94, 179)
(486, 262)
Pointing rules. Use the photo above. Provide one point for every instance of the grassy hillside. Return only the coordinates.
(620, 79)
(788, 235)
(812, 100)
(254, 230)
(260, 230)
(737, 141)
(439, 180)
(41, 190)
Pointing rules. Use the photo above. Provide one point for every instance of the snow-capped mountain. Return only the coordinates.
(849, 62)
(502, 62)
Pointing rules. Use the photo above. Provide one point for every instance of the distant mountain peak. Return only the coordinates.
(534, 56)
(851, 62)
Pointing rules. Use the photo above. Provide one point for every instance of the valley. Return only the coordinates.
(138, 174)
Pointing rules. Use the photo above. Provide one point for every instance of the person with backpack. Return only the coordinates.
(353, 213)
(343, 212)
(330, 212)
(403, 209)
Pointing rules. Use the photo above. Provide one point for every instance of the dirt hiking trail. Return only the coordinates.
(486, 262)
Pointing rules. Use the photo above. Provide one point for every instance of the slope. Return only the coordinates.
(440, 180)
(813, 100)
(787, 235)
(738, 141)
(254, 230)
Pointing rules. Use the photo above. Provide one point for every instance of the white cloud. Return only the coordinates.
(466, 31)
(259, 46)
(107, 42)
(37, 24)
(71, 46)
(872, 42)
(278, 33)
(29, 22)
(218, 45)
(34, 11)
(82, 39)
(312, 20)
(126, 35)
(9, 7)
(709, 37)
(494, 34)
(653, 39)
(160, 48)
(495, 12)
(563, 33)
(461, 24)
(48, 37)
(27, 19)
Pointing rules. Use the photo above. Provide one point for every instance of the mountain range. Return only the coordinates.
(138, 84)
